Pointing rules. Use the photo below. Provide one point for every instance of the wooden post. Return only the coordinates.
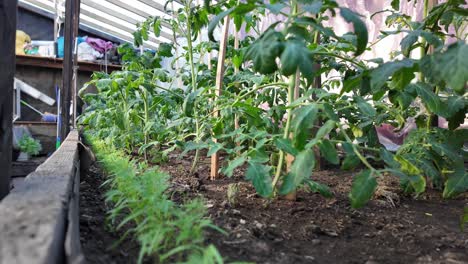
(72, 11)
(7, 73)
(219, 85)
(76, 25)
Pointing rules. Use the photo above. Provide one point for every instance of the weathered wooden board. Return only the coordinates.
(35, 215)
(7, 72)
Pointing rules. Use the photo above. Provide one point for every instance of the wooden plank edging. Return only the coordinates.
(35, 216)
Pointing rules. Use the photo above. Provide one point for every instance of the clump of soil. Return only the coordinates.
(392, 228)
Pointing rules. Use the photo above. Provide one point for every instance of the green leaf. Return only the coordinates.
(329, 152)
(285, 144)
(359, 29)
(304, 119)
(408, 41)
(157, 26)
(301, 169)
(325, 129)
(350, 162)
(407, 166)
(275, 8)
(449, 66)
(264, 51)
(454, 105)
(239, 10)
(215, 22)
(380, 75)
(214, 147)
(429, 98)
(233, 165)
(320, 188)
(457, 182)
(388, 158)
(296, 56)
(165, 50)
(363, 188)
(330, 112)
(396, 4)
(418, 183)
(259, 174)
(457, 119)
(366, 108)
(189, 103)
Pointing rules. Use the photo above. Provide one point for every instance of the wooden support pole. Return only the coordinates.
(7, 74)
(76, 25)
(72, 11)
(219, 86)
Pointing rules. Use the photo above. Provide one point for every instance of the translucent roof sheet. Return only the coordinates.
(114, 17)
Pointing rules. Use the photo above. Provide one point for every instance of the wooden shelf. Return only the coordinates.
(56, 63)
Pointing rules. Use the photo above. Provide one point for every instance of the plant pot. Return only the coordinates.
(23, 156)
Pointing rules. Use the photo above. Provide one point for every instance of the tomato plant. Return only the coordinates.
(294, 94)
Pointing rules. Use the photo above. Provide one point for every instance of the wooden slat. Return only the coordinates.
(56, 63)
(34, 217)
(7, 72)
(214, 172)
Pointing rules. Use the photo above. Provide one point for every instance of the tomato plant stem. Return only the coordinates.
(292, 84)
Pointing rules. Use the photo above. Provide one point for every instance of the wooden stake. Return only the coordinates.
(7, 72)
(219, 85)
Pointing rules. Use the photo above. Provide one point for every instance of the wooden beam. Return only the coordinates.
(7, 73)
(219, 86)
(57, 63)
(76, 25)
(71, 12)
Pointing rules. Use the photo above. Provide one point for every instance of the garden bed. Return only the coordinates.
(97, 238)
(392, 228)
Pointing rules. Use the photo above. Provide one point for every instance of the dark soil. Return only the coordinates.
(392, 228)
(98, 240)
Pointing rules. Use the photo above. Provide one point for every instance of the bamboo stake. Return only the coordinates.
(219, 85)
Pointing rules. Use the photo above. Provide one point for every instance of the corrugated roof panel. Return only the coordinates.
(117, 17)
